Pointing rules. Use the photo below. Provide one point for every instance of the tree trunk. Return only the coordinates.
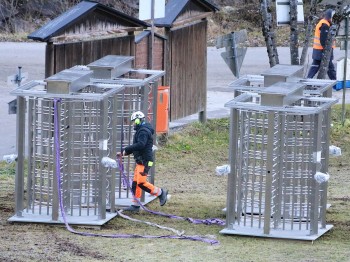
(294, 51)
(309, 30)
(268, 33)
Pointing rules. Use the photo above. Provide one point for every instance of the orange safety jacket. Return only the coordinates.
(317, 37)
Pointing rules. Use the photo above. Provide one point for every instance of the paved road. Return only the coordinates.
(31, 57)
(219, 76)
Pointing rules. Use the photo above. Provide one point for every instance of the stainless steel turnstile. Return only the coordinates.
(93, 122)
(82, 117)
(277, 144)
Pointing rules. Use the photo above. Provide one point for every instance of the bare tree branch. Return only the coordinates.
(309, 30)
(268, 32)
(294, 34)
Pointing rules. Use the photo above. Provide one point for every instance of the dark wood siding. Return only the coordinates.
(188, 70)
(142, 51)
(66, 55)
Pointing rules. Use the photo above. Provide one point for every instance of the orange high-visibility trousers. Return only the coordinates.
(140, 183)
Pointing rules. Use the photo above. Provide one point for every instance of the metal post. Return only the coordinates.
(19, 180)
(114, 149)
(269, 173)
(144, 108)
(315, 187)
(152, 34)
(345, 69)
(55, 192)
(234, 51)
(19, 76)
(325, 163)
(30, 150)
(232, 180)
(102, 153)
(154, 86)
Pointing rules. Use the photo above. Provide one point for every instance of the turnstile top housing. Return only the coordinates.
(68, 81)
(111, 66)
(280, 73)
(282, 94)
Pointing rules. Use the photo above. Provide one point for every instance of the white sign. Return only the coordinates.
(283, 12)
(145, 9)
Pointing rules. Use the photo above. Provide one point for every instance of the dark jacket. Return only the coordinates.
(142, 144)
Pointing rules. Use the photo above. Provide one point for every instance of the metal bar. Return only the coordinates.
(71, 154)
(69, 170)
(151, 47)
(88, 185)
(41, 148)
(19, 179)
(103, 140)
(121, 139)
(145, 90)
(129, 142)
(154, 88)
(231, 214)
(55, 200)
(30, 129)
(234, 50)
(281, 159)
(316, 167)
(295, 170)
(325, 164)
(254, 163)
(77, 184)
(245, 174)
(240, 170)
(113, 151)
(99, 119)
(303, 182)
(262, 167)
(35, 149)
(345, 69)
(269, 174)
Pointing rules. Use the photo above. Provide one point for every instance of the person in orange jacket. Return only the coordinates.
(321, 34)
(141, 148)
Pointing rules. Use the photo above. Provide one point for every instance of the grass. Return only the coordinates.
(186, 165)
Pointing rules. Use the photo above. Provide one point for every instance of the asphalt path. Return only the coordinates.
(31, 57)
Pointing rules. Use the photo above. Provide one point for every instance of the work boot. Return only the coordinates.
(163, 197)
(132, 208)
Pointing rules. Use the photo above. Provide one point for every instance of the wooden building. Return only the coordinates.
(142, 54)
(85, 33)
(90, 30)
(185, 26)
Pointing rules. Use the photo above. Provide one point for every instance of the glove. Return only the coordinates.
(121, 154)
(143, 174)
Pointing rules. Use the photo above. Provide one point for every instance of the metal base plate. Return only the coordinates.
(84, 219)
(284, 234)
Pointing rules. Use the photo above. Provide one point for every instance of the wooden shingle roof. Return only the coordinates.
(81, 11)
(174, 9)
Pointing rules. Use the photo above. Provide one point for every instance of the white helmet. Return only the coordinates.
(137, 115)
